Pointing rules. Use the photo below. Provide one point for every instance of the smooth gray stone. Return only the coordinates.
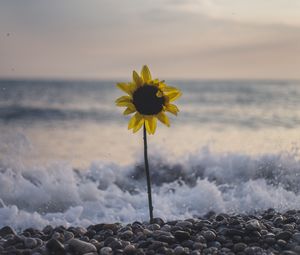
(81, 247)
(106, 251)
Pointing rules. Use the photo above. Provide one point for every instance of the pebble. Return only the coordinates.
(184, 224)
(68, 235)
(179, 250)
(239, 247)
(284, 235)
(181, 235)
(296, 237)
(158, 221)
(253, 225)
(7, 231)
(115, 245)
(126, 235)
(106, 251)
(30, 243)
(166, 238)
(130, 250)
(209, 235)
(81, 247)
(269, 232)
(55, 247)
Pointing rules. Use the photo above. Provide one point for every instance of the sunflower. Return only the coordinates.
(149, 99)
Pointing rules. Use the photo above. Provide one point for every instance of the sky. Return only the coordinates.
(178, 39)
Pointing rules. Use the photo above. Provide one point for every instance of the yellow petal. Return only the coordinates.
(145, 73)
(161, 85)
(163, 118)
(172, 108)
(173, 95)
(138, 125)
(125, 87)
(136, 122)
(132, 121)
(150, 124)
(123, 101)
(137, 79)
(130, 109)
(169, 89)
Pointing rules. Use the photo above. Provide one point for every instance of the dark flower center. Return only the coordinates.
(146, 101)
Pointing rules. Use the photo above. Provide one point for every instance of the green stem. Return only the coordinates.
(148, 176)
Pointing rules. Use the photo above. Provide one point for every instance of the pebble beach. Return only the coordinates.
(268, 232)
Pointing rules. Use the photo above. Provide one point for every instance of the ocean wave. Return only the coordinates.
(29, 113)
(106, 192)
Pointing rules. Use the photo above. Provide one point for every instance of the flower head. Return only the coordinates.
(149, 99)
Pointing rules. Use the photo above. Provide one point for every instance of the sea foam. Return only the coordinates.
(58, 194)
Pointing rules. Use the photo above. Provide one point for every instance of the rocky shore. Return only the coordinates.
(268, 232)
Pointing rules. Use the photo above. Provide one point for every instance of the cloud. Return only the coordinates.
(108, 38)
(255, 11)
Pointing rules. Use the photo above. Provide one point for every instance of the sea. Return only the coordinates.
(67, 157)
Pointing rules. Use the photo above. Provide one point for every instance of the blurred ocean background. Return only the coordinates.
(66, 156)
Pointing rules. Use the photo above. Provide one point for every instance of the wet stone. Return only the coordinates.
(106, 251)
(195, 253)
(166, 228)
(236, 239)
(181, 235)
(288, 253)
(220, 217)
(253, 250)
(252, 225)
(270, 240)
(162, 250)
(179, 250)
(184, 224)
(55, 247)
(211, 250)
(199, 246)
(30, 243)
(81, 247)
(154, 227)
(7, 231)
(109, 239)
(90, 233)
(157, 244)
(188, 243)
(68, 235)
(158, 221)
(296, 237)
(166, 238)
(115, 245)
(130, 250)
(281, 243)
(126, 235)
(296, 249)
(233, 232)
(284, 235)
(278, 220)
(113, 227)
(209, 235)
(144, 244)
(215, 244)
(239, 247)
